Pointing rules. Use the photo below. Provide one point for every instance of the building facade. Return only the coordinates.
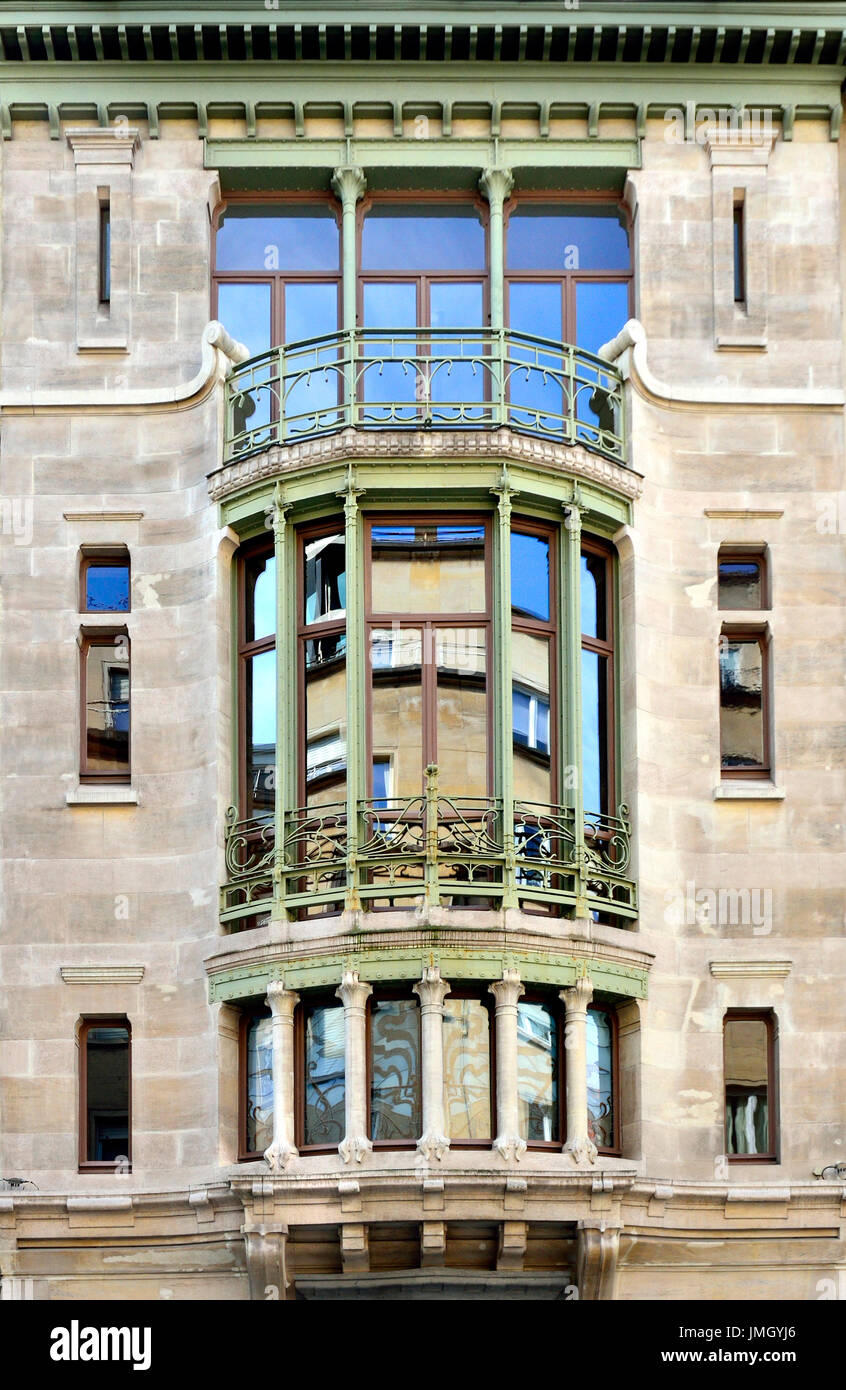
(422, 482)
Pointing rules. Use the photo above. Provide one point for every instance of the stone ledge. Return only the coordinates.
(748, 791)
(750, 969)
(102, 974)
(102, 796)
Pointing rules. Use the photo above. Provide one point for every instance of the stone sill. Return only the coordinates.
(748, 791)
(102, 796)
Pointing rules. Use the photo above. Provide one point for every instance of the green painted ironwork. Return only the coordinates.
(443, 378)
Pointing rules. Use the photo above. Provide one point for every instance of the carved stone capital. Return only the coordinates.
(354, 1147)
(279, 1155)
(597, 1248)
(266, 1265)
(510, 1147)
(496, 184)
(507, 991)
(281, 1001)
(578, 996)
(431, 990)
(351, 992)
(581, 1149)
(348, 183)
(432, 1146)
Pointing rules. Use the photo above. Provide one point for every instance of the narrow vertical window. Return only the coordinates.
(602, 1079)
(744, 704)
(750, 1081)
(598, 775)
(395, 1099)
(739, 234)
(256, 1084)
(468, 1069)
(105, 249)
(322, 1076)
(539, 1090)
(257, 652)
(104, 1093)
(105, 685)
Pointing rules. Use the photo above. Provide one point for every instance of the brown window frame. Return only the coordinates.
(736, 555)
(605, 647)
(309, 632)
(548, 628)
(768, 1017)
(98, 637)
(613, 1150)
(115, 557)
(85, 1164)
(482, 996)
(380, 996)
(318, 1001)
(256, 548)
(248, 1015)
(736, 632)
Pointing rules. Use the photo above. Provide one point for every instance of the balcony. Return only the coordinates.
(423, 379)
(459, 852)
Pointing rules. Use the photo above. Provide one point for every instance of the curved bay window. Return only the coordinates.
(541, 1075)
(394, 1067)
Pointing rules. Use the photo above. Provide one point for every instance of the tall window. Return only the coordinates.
(256, 1088)
(105, 689)
(602, 1079)
(598, 791)
(540, 1086)
(322, 664)
(534, 624)
(744, 703)
(395, 1095)
(468, 1030)
(104, 1093)
(320, 1071)
(750, 1078)
(257, 678)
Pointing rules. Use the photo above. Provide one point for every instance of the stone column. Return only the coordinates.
(496, 185)
(506, 992)
(578, 1145)
(282, 1002)
(354, 995)
(431, 991)
(349, 183)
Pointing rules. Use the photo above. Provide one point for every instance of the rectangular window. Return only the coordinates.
(751, 1092)
(105, 685)
(742, 580)
(105, 250)
(104, 1094)
(744, 704)
(598, 772)
(539, 1090)
(468, 1069)
(256, 1085)
(602, 1074)
(257, 679)
(104, 583)
(395, 1099)
(320, 1072)
(739, 247)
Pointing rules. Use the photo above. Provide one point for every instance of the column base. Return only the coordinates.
(354, 1147)
(510, 1147)
(432, 1146)
(581, 1150)
(279, 1155)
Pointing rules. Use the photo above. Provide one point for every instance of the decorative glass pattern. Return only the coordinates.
(395, 1108)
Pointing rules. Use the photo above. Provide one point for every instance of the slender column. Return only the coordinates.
(286, 733)
(506, 992)
(504, 733)
(349, 183)
(578, 1145)
(282, 1002)
(572, 684)
(354, 995)
(355, 687)
(496, 185)
(432, 991)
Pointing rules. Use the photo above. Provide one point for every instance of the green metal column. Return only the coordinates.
(572, 657)
(286, 685)
(496, 185)
(503, 733)
(349, 183)
(356, 657)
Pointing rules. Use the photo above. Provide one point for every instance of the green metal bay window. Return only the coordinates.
(426, 711)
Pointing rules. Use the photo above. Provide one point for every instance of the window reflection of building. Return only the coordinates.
(395, 1098)
(323, 1074)
(323, 656)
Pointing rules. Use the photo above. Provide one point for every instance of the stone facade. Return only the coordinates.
(112, 435)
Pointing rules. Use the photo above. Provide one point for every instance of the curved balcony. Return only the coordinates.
(371, 379)
(451, 851)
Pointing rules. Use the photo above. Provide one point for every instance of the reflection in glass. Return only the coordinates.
(388, 384)
(107, 706)
(594, 732)
(530, 575)
(530, 717)
(279, 237)
(324, 1075)
(537, 1073)
(107, 588)
(418, 238)
(259, 1098)
(396, 657)
(313, 385)
(395, 1112)
(747, 1077)
(455, 383)
(107, 1094)
(245, 311)
(428, 569)
(467, 1069)
(600, 1081)
(545, 237)
(593, 586)
(740, 584)
(741, 702)
(602, 307)
(326, 718)
(461, 715)
(260, 582)
(261, 731)
(535, 378)
(325, 579)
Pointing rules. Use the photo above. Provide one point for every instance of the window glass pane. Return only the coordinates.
(602, 307)
(326, 719)
(390, 388)
(324, 1075)
(395, 1070)
(594, 732)
(457, 304)
(107, 588)
(397, 237)
(260, 595)
(325, 578)
(593, 586)
(244, 311)
(396, 658)
(600, 1087)
(313, 375)
(261, 731)
(462, 708)
(428, 569)
(530, 717)
(535, 375)
(747, 1078)
(741, 703)
(107, 1094)
(277, 238)
(382, 782)
(467, 1069)
(461, 378)
(740, 584)
(536, 309)
(530, 575)
(259, 1099)
(572, 238)
(537, 1073)
(107, 706)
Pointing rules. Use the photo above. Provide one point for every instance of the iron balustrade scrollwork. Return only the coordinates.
(435, 378)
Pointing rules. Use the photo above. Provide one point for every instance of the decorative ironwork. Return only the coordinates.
(249, 854)
(442, 378)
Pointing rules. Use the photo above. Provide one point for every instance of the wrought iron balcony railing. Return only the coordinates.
(443, 378)
(452, 851)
